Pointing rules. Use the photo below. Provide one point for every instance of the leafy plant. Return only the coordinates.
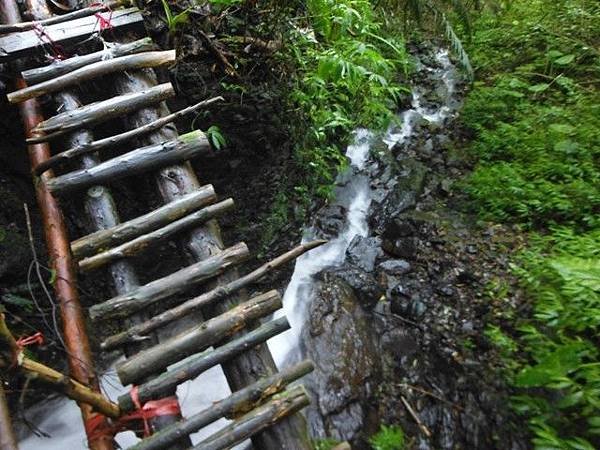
(215, 137)
(388, 438)
(174, 21)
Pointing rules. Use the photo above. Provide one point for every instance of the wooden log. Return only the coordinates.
(95, 70)
(175, 283)
(186, 147)
(83, 12)
(97, 112)
(281, 406)
(122, 232)
(191, 368)
(8, 439)
(64, 66)
(112, 141)
(17, 45)
(139, 244)
(197, 338)
(238, 402)
(137, 332)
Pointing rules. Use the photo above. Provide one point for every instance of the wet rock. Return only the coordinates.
(363, 284)
(395, 267)
(330, 220)
(14, 252)
(362, 252)
(405, 247)
(446, 290)
(347, 363)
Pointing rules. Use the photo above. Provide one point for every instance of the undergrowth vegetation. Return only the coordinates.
(535, 114)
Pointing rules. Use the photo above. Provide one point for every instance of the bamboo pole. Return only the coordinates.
(94, 70)
(99, 112)
(220, 292)
(175, 283)
(61, 67)
(197, 338)
(191, 368)
(122, 232)
(281, 406)
(141, 160)
(131, 248)
(8, 440)
(121, 138)
(83, 12)
(238, 402)
(12, 358)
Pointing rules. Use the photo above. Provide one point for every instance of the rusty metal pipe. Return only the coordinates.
(57, 242)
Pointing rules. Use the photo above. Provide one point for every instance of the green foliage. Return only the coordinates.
(535, 117)
(215, 137)
(325, 444)
(346, 77)
(388, 438)
(174, 21)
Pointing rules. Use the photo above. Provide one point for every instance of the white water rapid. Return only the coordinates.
(60, 419)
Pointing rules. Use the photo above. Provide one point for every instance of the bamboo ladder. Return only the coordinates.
(220, 326)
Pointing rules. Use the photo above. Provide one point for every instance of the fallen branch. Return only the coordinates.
(112, 141)
(208, 298)
(229, 69)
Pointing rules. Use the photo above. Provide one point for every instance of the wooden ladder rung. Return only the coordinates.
(16, 45)
(184, 148)
(173, 284)
(197, 338)
(92, 71)
(98, 112)
(153, 220)
(62, 67)
(166, 382)
(238, 402)
(141, 243)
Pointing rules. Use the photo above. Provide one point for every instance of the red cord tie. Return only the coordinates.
(57, 50)
(97, 427)
(22, 342)
(105, 23)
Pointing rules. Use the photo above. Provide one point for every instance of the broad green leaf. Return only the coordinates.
(564, 60)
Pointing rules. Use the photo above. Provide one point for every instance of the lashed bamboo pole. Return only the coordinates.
(141, 160)
(121, 138)
(208, 298)
(95, 70)
(194, 366)
(102, 111)
(83, 12)
(173, 284)
(197, 338)
(238, 402)
(58, 68)
(8, 440)
(122, 232)
(13, 358)
(141, 243)
(76, 341)
(283, 405)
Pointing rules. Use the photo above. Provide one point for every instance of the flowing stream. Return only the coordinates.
(60, 418)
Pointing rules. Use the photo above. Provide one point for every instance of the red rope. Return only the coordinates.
(45, 38)
(96, 428)
(105, 23)
(22, 342)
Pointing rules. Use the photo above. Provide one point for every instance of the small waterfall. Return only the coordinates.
(354, 193)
